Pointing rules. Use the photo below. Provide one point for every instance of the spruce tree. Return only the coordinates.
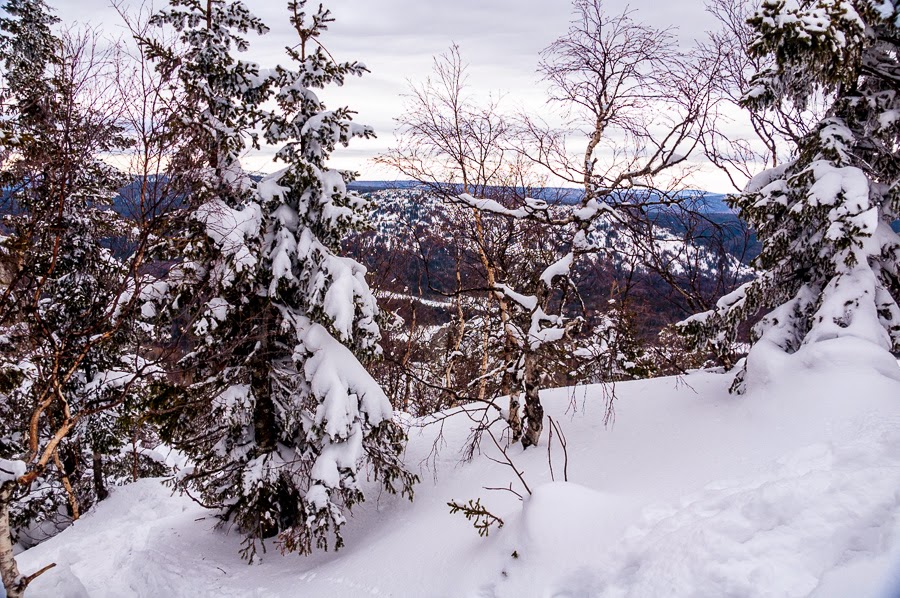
(829, 256)
(280, 414)
(69, 336)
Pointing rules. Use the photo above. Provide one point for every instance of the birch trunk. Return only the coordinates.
(534, 411)
(9, 570)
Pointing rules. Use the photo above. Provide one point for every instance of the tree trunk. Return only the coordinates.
(99, 481)
(264, 424)
(9, 571)
(454, 340)
(64, 469)
(509, 381)
(509, 387)
(407, 355)
(13, 582)
(491, 283)
(513, 418)
(485, 347)
(534, 411)
(135, 470)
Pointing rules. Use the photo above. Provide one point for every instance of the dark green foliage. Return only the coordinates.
(829, 256)
(275, 411)
(481, 518)
(70, 335)
(219, 95)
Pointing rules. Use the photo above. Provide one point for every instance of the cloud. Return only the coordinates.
(397, 39)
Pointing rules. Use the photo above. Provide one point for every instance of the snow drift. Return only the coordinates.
(790, 490)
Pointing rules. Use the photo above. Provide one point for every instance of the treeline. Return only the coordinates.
(626, 296)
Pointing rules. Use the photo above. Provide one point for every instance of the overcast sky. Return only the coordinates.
(396, 39)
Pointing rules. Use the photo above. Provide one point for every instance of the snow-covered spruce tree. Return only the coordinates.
(320, 302)
(219, 96)
(830, 258)
(69, 369)
(280, 416)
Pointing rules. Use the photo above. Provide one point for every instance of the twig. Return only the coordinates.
(506, 489)
(33, 576)
(561, 438)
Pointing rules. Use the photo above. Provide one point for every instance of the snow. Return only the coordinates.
(559, 268)
(604, 237)
(792, 489)
(11, 469)
(233, 398)
(406, 297)
(334, 376)
(532, 206)
(529, 302)
(231, 229)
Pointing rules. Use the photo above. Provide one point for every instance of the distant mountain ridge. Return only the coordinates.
(703, 201)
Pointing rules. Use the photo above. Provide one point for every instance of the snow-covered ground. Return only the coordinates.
(791, 490)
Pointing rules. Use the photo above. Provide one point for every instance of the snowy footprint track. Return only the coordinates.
(826, 509)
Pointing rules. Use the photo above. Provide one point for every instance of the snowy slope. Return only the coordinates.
(792, 490)
(410, 215)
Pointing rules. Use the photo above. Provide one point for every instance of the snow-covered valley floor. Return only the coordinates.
(790, 490)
